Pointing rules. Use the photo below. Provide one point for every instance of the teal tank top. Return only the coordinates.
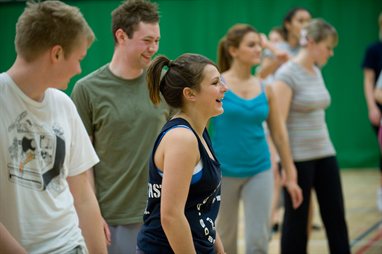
(238, 135)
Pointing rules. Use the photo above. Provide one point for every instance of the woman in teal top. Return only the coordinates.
(240, 143)
(241, 128)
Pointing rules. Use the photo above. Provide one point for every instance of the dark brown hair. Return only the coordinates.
(129, 14)
(233, 38)
(288, 19)
(185, 71)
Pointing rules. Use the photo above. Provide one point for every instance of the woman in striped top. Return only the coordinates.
(303, 98)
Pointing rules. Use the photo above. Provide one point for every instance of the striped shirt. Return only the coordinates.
(307, 129)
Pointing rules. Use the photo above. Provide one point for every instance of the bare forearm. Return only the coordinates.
(268, 67)
(179, 235)
(369, 96)
(272, 150)
(378, 95)
(219, 245)
(290, 170)
(374, 113)
(88, 213)
(8, 244)
(368, 86)
(90, 175)
(281, 142)
(91, 225)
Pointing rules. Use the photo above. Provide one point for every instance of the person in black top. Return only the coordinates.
(372, 67)
(184, 174)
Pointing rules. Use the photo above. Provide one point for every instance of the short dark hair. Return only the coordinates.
(130, 13)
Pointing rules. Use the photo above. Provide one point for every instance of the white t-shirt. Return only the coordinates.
(41, 144)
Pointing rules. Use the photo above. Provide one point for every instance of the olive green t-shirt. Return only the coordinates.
(123, 123)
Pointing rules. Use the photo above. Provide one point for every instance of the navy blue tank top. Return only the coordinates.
(201, 207)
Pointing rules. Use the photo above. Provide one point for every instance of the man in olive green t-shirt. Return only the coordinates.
(114, 105)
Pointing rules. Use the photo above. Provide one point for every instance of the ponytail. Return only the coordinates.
(154, 77)
(224, 58)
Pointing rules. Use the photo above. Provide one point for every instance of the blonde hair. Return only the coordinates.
(43, 25)
(318, 30)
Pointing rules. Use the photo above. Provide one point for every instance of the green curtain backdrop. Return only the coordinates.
(197, 25)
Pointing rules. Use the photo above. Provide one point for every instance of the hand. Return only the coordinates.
(295, 193)
(375, 116)
(282, 56)
(264, 42)
(106, 231)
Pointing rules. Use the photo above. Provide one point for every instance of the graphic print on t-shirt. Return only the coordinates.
(37, 155)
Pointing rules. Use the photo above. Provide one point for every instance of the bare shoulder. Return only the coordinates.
(180, 136)
(178, 147)
(281, 86)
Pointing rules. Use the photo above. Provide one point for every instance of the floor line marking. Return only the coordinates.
(370, 243)
(364, 234)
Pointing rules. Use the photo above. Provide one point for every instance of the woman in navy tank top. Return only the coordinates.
(184, 173)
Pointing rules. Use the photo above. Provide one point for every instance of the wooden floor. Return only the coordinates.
(363, 218)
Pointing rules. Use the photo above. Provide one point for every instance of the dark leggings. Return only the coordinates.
(376, 130)
(323, 175)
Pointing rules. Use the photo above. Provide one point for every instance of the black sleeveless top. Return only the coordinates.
(201, 207)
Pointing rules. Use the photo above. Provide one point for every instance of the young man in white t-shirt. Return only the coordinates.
(46, 202)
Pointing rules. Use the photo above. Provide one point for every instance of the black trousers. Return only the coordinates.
(323, 175)
(376, 129)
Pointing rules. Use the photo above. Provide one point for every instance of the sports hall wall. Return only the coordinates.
(197, 25)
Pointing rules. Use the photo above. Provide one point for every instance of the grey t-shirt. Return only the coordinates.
(307, 129)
